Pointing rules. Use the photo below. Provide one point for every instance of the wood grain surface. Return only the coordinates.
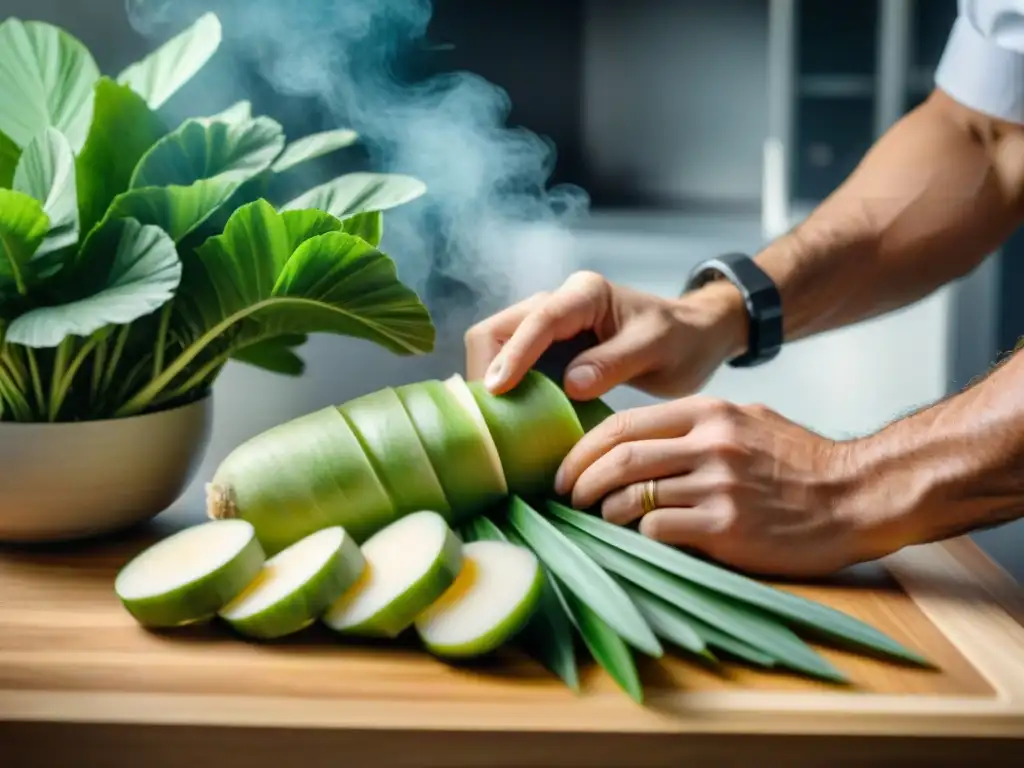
(72, 658)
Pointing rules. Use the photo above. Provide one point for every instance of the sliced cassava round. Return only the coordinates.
(188, 576)
(457, 446)
(533, 426)
(298, 477)
(494, 596)
(296, 585)
(394, 449)
(409, 564)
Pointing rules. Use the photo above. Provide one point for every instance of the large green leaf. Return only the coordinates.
(795, 609)
(160, 74)
(733, 618)
(46, 79)
(9, 154)
(46, 172)
(23, 225)
(203, 150)
(124, 271)
(313, 146)
(247, 285)
(123, 129)
(582, 576)
(186, 176)
(358, 192)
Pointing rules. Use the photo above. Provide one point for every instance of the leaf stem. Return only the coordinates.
(37, 380)
(161, 338)
(195, 380)
(12, 395)
(57, 399)
(115, 357)
(98, 367)
(60, 362)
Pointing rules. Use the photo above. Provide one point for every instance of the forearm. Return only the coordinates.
(936, 194)
(955, 467)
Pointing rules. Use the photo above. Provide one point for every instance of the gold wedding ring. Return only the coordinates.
(647, 498)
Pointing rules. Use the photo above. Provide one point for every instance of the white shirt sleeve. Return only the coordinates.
(982, 65)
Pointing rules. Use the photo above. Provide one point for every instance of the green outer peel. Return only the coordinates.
(298, 477)
(302, 606)
(201, 598)
(456, 449)
(399, 614)
(389, 437)
(475, 556)
(534, 426)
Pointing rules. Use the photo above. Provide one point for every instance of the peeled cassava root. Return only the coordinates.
(450, 447)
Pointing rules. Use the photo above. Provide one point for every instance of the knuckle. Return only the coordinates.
(586, 278)
(636, 494)
(618, 425)
(621, 457)
(758, 409)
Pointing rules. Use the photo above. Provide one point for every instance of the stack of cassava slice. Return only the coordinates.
(425, 508)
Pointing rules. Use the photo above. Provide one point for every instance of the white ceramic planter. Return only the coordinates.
(71, 481)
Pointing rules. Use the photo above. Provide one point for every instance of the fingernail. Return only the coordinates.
(495, 375)
(560, 488)
(582, 376)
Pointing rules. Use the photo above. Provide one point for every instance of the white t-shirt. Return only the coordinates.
(982, 65)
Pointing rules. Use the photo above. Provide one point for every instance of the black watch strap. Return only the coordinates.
(762, 298)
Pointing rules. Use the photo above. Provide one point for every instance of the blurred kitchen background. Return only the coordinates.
(695, 127)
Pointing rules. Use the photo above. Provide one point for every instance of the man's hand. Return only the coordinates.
(742, 484)
(663, 347)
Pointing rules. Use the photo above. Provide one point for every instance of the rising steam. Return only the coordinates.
(449, 130)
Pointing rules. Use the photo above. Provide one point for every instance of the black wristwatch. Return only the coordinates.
(764, 304)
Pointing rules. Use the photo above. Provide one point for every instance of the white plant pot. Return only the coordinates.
(69, 481)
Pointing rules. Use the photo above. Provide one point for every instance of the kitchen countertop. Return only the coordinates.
(81, 684)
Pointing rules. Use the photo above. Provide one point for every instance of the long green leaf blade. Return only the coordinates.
(549, 635)
(662, 615)
(46, 79)
(732, 618)
(46, 171)
(582, 576)
(666, 620)
(163, 72)
(793, 608)
(608, 649)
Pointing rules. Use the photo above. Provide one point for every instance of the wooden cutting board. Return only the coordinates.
(78, 674)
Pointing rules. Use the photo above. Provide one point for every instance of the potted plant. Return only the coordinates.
(137, 258)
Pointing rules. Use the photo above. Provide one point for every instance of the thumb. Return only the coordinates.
(616, 361)
(691, 527)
